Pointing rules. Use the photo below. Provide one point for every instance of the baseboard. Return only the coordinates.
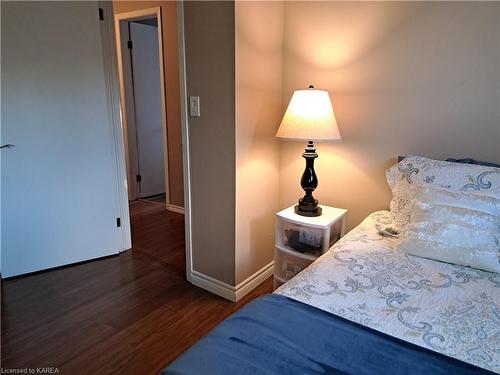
(230, 292)
(174, 208)
(246, 286)
(213, 285)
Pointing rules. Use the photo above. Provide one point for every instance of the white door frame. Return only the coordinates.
(132, 16)
(112, 84)
(185, 139)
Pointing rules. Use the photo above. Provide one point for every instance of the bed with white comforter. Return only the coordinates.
(454, 310)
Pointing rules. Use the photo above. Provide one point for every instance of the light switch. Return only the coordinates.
(194, 106)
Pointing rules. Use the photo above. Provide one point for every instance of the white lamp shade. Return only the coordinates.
(309, 117)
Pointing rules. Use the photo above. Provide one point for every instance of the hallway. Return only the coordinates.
(159, 234)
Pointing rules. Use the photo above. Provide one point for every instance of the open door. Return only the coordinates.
(148, 125)
(60, 190)
(142, 79)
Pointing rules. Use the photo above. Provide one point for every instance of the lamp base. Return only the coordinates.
(308, 205)
(310, 209)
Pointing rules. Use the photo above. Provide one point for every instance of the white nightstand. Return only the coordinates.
(300, 240)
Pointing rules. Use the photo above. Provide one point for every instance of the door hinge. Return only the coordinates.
(129, 44)
(101, 14)
(118, 222)
(138, 178)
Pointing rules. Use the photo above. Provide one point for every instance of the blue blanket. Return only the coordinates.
(277, 335)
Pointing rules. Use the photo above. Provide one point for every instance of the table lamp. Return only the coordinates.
(309, 117)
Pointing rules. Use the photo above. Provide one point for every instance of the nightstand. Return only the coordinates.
(300, 240)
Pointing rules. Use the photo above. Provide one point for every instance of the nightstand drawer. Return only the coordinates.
(287, 265)
(300, 237)
(336, 232)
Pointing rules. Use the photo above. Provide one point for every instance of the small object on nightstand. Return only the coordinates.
(300, 240)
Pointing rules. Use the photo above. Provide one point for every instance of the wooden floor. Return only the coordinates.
(127, 314)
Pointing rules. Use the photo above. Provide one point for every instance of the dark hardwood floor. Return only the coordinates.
(127, 314)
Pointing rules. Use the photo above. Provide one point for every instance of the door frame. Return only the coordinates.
(112, 83)
(186, 165)
(133, 16)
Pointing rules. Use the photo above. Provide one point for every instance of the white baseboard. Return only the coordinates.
(230, 292)
(252, 282)
(174, 208)
(213, 285)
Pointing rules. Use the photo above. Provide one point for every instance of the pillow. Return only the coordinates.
(406, 197)
(473, 161)
(464, 161)
(454, 177)
(454, 227)
(446, 175)
(453, 244)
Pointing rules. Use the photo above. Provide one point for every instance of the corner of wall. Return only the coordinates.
(258, 56)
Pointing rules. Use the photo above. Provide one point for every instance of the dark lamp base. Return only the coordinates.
(308, 205)
(312, 213)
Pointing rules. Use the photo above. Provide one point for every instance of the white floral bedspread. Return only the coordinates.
(450, 309)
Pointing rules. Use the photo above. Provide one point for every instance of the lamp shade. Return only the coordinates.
(309, 116)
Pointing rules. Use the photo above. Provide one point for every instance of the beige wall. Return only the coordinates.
(404, 78)
(259, 37)
(209, 36)
(172, 91)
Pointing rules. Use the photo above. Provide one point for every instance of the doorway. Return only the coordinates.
(157, 228)
(140, 57)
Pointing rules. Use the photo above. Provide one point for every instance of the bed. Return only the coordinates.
(364, 307)
(450, 309)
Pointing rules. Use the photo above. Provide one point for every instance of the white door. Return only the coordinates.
(148, 112)
(59, 188)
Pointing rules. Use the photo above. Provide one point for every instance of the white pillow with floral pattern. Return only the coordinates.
(455, 227)
(455, 177)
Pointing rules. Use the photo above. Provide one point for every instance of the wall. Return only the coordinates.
(259, 37)
(405, 78)
(210, 68)
(172, 90)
